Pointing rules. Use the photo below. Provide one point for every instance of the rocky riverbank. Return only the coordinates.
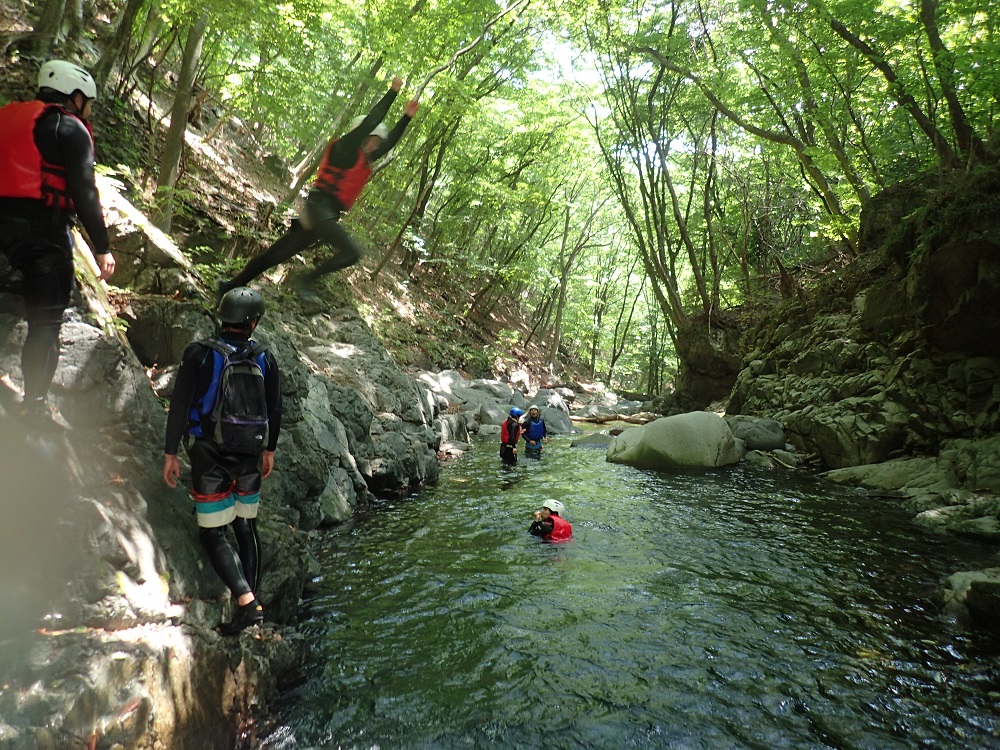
(109, 622)
(896, 359)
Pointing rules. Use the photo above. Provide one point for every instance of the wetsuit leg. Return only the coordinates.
(348, 249)
(249, 549)
(292, 242)
(48, 280)
(225, 561)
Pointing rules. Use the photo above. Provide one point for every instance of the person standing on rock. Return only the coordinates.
(46, 183)
(510, 432)
(226, 405)
(344, 171)
(549, 524)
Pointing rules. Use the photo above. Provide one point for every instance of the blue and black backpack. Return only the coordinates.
(232, 413)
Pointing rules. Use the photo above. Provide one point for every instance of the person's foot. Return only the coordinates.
(306, 292)
(35, 413)
(246, 616)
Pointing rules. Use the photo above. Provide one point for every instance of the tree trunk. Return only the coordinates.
(972, 148)
(801, 150)
(74, 21)
(116, 47)
(47, 30)
(946, 155)
(173, 146)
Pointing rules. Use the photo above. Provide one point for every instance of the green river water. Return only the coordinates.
(736, 608)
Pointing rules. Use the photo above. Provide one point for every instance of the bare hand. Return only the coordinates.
(171, 470)
(411, 107)
(266, 464)
(397, 84)
(538, 515)
(106, 263)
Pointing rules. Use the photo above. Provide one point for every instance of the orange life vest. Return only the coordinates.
(343, 184)
(562, 530)
(24, 172)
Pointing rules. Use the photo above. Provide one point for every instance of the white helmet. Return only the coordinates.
(555, 506)
(66, 78)
(380, 130)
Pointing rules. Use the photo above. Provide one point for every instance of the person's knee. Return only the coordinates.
(348, 250)
(212, 538)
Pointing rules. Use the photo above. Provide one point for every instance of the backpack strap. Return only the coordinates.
(225, 349)
(218, 345)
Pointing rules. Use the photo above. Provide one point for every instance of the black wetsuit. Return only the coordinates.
(510, 431)
(324, 210)
(36, 240)
(215, 472)
(541, 528)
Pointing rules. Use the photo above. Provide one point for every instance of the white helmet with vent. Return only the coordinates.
(66, 78)
(380, 130)
(555, 506)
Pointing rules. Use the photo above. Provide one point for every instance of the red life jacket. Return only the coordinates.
(343, 184)
(24, 172)
(562, 530)
(510, 431)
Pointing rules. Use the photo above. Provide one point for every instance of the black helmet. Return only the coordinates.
(240, 305)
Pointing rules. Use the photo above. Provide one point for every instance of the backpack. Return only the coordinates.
(235, 404)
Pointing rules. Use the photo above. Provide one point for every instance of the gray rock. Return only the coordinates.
(550, 398)
(557, 422)
(758, 434)
(683, 441)
(593, 440)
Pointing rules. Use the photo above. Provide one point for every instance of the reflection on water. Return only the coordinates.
(727, 609)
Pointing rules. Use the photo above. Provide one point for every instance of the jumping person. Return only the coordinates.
(46, 183)
(343, 172)
(549, 524)
(510, 431)
(230, 452)
(534, 432)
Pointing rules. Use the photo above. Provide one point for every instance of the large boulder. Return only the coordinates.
(757, 434)
(557, 422)
(551, 398)
(694, 440)
(974, 592)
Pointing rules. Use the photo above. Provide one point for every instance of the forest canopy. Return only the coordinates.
(617, 169)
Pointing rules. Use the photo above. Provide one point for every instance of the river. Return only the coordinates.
(736, 608)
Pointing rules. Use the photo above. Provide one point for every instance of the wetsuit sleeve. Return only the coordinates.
(345, 151)
(541, 528)
(272, 392)
(393, 138)
(77, 149)
(181, 399)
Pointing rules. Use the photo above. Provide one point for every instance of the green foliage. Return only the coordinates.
(716, 142)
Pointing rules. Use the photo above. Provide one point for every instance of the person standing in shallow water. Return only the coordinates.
(549, 524)
(225, 482)
(343, 172)
(46, 183)
(534, 432)
(510, 432)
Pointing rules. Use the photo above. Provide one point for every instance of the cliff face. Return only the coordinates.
(890, 371)
(110, 605)
(898, 353)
